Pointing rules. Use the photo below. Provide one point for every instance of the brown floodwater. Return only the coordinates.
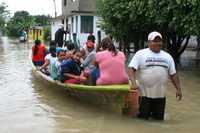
(29, 105)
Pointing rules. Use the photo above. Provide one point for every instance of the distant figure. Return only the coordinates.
(23, 36)
(76, 41)
(91, 37)
(38, 53)
(59, 36)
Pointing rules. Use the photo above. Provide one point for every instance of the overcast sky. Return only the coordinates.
(34, 7)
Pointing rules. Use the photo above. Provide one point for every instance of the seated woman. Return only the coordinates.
(111, 64)
(71, 70)
(38, 53)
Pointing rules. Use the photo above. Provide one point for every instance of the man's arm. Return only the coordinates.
(176, 83)
(132, 78)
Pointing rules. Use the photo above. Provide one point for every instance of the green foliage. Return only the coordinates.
(23, 21)
(19, 22)
(132, 20)
(4, 13)
(42, 20)
(136, 16)
(47, 33)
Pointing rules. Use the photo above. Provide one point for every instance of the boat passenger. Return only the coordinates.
(84, 50)
(45, 68)
(52, 60)
(57, 64)
(71, 69)
(111, 64)
(38, 53)
(88, 61)
(70, 51)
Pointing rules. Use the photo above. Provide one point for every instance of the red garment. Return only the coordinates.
(40, 54)
(72, 81)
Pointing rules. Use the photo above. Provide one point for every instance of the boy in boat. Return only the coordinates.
(57, 65)
(71, 69)
(46, 68)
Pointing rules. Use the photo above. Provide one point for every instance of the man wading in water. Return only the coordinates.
(154, 66)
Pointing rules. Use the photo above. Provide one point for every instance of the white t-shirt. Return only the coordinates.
(154, 69)
(48, 57)
(58, 67)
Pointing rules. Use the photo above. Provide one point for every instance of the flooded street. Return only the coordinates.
(28, 105)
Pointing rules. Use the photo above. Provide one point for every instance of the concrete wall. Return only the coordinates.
(85, 8)
(70, 6)
(87, 5)
(78, 5)
(76, 28)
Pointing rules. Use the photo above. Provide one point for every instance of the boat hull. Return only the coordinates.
(110, 97)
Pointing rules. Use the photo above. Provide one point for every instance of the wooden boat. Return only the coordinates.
(118, 98)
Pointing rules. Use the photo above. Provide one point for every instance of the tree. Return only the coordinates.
(42, 20)
(3, 15)
(127, 21)
(132, 20)
(176, 23)
(19, 22)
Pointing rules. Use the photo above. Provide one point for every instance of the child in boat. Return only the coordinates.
(38, 53)
(71, 69)
(57, 65)
(45, 68)
(69, 51)
(52, 61)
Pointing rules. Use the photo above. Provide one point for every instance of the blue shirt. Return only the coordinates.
(69, 66)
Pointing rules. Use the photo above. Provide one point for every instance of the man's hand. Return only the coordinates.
(178, 95)
(176, 83)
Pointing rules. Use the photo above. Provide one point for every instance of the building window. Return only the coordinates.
(65, 2)
(87, 24)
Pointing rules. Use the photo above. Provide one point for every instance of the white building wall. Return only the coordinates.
(83, 36)
(76, 28)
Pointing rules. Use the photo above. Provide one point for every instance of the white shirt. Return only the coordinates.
(48, 57)
(154, 69)
(58, 67)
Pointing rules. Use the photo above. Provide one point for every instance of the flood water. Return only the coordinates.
(29, 105)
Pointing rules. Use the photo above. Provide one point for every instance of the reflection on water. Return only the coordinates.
(28, 104)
